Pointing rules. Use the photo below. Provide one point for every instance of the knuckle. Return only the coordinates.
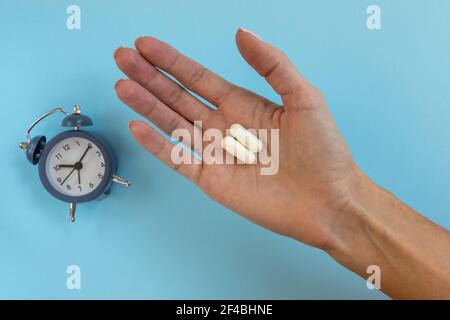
(149, 109)
(158, 149)
(197, 75)
(229, 94)
(272, 69)
(173, 62)
(174, 96)
(176, 167)
(317, 95)
(282, 55)
(149, 75)
(172, 124)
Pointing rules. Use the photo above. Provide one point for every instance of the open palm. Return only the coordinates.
(316, 172)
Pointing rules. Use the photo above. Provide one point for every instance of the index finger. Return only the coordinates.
(190, 73)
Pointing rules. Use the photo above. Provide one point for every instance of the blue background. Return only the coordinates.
(162, 238)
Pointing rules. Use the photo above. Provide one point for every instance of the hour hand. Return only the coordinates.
(65, 165)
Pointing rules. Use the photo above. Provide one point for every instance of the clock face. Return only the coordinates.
(75, 166)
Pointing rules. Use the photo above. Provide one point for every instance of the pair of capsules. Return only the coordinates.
(242, 144)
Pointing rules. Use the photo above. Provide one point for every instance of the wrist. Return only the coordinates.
(375, 228)
(350, 235)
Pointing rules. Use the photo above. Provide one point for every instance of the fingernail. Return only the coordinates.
(249, 32)
(115, 52)
(130, 124)
(117, 83)
(136, 41)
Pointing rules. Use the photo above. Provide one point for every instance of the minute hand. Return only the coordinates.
(82, 157)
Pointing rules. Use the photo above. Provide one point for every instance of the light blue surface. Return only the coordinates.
(162, 238)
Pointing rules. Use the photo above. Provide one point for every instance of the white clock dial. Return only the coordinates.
(70, 176)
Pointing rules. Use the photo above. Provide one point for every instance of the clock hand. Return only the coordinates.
(75, 166)
(78, 164)
(65, 165)
(68, 176)
(87, 149)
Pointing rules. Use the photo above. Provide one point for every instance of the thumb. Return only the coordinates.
(270, 62)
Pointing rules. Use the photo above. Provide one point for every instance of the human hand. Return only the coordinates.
(316, 172)
(318, 196)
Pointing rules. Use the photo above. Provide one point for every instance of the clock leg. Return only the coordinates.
(121, 180)
(72, 209)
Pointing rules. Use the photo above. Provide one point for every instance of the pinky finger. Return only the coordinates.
(160, 147)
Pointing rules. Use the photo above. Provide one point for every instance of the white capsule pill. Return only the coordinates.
(246, 138)
(236, 149)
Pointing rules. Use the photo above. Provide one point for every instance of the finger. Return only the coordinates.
(166, 90)
(270, 63)
(190, 73)
(147, 105)
(156, 144)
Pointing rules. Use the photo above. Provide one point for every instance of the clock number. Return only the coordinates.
(59, 180)
(91, 184)
(66, 147)
(98, 153)
(102, 164)
(79, 187)
(58, 156)
(56, 168)
(77, 142)
(68, 187)
(100, 176)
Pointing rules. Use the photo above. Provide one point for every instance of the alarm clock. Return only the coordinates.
(76, 165)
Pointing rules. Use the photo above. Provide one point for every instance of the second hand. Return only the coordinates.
(68, 176)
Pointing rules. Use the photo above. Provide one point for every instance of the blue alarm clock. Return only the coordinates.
(76, 165)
